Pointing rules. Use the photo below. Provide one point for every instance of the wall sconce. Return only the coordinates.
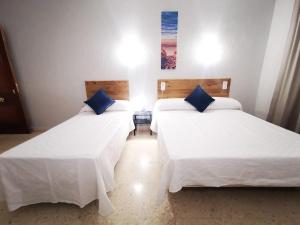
(162, 87)
(131, 52)
(225, 85)
(209, 50)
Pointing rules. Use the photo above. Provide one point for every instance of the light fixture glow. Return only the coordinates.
(144, 162)
(209, 50)
(138, 188)
(131, 51)
(139, 102)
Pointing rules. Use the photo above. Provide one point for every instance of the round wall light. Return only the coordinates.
(209, 50)
(131, 51)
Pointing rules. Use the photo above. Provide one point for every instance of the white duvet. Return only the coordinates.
(224, 148)
(72, 162)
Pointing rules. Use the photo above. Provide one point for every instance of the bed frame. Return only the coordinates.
(180, 88)
(117, 89)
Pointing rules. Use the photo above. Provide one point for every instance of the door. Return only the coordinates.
(12, 119)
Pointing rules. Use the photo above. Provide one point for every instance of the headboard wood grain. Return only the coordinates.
(117, 89)
(180, 88)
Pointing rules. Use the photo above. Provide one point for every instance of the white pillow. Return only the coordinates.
(179, 104)
(86, 108)
(170, 104)
(224, 103)
(119, 105)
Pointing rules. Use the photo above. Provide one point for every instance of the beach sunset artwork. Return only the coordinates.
(169, 24)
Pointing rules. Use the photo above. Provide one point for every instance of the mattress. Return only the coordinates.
(225, 148)
(72, 162)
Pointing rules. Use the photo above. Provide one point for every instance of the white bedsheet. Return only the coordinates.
(72, 162)
(225, 148)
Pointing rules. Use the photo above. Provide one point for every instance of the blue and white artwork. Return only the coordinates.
(169, 25)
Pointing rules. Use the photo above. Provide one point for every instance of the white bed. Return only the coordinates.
(223, 147)
(72, 162)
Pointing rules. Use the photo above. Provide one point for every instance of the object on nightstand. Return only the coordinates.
(142, 117)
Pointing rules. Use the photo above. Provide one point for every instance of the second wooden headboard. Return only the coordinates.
(117, 89)
(180, 88)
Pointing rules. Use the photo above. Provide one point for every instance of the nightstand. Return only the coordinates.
(142, 117)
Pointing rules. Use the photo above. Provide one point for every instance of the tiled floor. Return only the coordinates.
(134, 198)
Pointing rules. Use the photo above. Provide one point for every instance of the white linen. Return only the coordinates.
(72, 162)
(225, 148)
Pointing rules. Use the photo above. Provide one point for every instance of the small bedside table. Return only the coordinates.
(142, 117)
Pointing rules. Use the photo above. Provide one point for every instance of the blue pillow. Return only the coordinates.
(199, 99)
(100, 102)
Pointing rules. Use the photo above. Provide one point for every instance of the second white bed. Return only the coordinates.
(224, 147)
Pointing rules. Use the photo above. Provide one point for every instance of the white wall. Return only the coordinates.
(274, 55)
(57, 45)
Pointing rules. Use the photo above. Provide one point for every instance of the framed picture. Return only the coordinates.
(169, 25)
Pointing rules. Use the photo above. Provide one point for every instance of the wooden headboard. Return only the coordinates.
(117, 89)
(180, 88)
